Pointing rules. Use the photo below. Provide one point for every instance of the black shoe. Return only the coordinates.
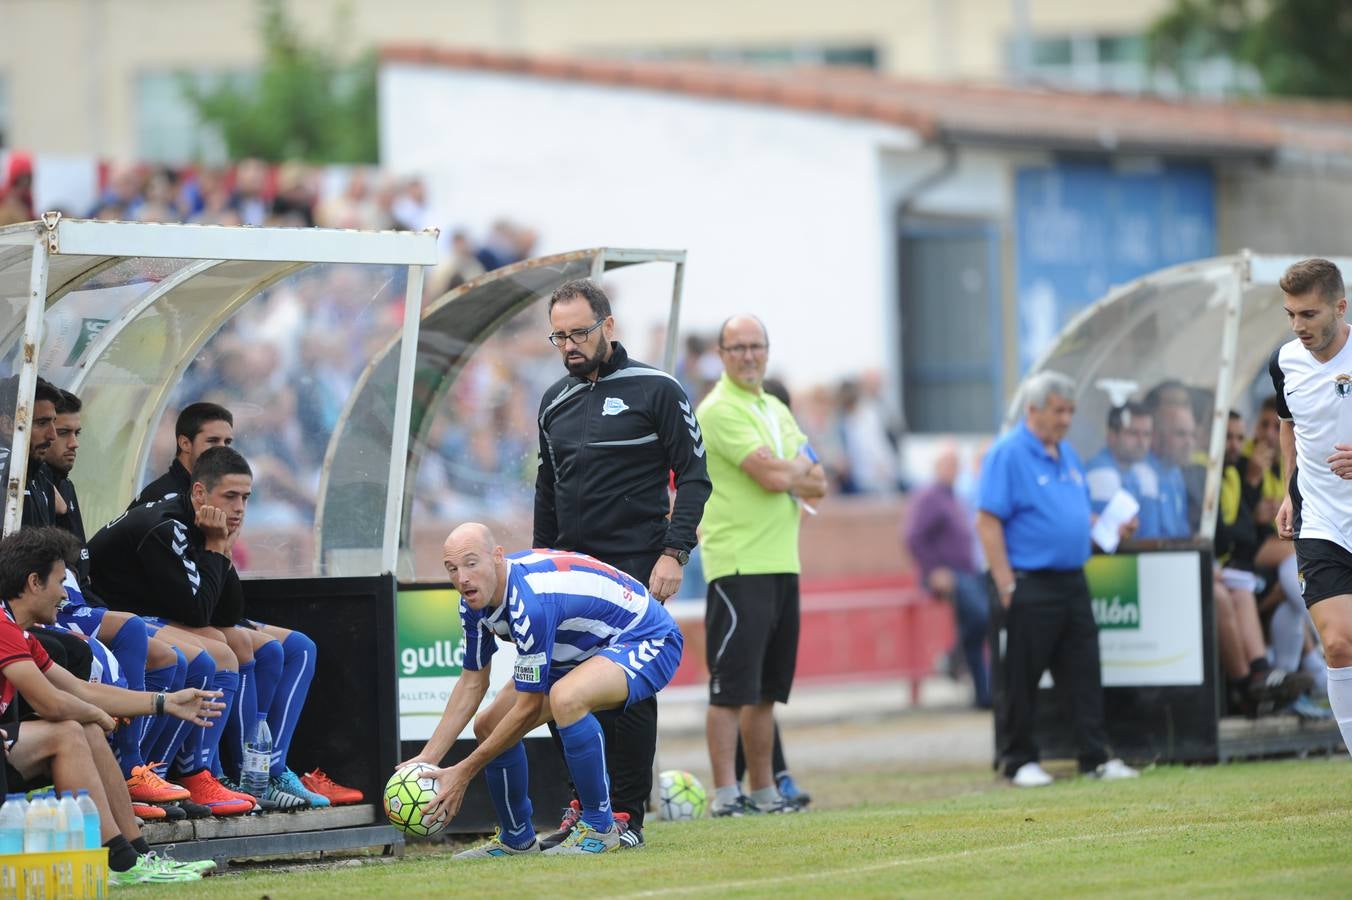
(742, 806)
(1275, 689)
(192, 810)
(572, 814)
(630, 838)
(172, 813)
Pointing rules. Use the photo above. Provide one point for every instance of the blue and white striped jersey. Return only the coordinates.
(560, 609)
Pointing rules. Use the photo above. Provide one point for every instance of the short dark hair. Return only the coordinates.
(1314, 274)
(218, 462)
(33, 551)
(1269, 404)
(1127, 411)
(1234, 415)
(196, 415)
(45, 390)
(68, 404)
(1154, 398)
(582, 287)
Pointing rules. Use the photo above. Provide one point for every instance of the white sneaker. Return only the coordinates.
(1031, 774)
(1114, 770)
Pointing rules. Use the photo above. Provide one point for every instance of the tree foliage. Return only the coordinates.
(1297, 47)
(306, 102)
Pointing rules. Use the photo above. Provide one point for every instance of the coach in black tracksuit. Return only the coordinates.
(611, 435)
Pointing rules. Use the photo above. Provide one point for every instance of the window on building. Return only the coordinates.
(950, 326)
(859, 55)
(168, 129)
(1120, 63)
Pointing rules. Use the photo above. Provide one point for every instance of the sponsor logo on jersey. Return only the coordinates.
(529, 668)
(612, 406)
(1342, 385)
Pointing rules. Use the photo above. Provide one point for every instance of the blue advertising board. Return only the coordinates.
(1082, 228)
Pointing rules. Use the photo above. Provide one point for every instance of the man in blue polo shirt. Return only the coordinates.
(1034, 520)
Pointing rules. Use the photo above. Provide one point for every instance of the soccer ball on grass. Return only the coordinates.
(680, 796)
(407, 794)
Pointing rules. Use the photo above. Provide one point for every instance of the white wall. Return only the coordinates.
(780, 210)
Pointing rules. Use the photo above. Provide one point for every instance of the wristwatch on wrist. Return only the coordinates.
(681, 556)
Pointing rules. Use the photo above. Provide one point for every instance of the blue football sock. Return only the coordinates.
(584, 750)
(508, 778)
(298, 670)
(171, 746)
(231, 754)
(227, 682)
(157, 725)
(128, 647)
(268, 659)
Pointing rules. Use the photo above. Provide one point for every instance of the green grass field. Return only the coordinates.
(1276, 829)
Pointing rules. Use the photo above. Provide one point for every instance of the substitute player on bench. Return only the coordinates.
(588, 637)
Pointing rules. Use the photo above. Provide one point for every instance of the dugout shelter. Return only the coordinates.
(127, 316)
(1210, 326)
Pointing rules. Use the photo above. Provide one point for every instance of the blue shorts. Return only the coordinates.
(650, 663)
(106, 667)
(81, 619)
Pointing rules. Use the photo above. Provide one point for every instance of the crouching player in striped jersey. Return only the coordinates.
(588, 637)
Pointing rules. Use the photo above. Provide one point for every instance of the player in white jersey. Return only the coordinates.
(1313, 379)
(588, 637)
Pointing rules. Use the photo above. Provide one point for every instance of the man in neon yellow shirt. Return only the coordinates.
(763, 475)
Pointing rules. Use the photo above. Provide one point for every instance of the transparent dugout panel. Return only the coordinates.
(1164, 329)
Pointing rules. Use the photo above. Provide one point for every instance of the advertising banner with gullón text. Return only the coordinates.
(431, 652)
(1149, 613)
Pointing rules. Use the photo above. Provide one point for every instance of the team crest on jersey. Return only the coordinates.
(613, 406)
(1342, 385)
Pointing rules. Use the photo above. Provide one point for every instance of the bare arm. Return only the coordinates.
(1285, 513)
(783, 476)
(189, 704)
(51, 702)
(524, 715)
(992, 534)
(465, 698)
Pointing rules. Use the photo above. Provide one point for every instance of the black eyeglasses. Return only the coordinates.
(577, 335)
(739, 349)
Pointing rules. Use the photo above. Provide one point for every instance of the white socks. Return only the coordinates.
(1340, 700)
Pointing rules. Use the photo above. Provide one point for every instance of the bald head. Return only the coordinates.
(471, 535)
(744, 347)
(475, 564)
(946, 464)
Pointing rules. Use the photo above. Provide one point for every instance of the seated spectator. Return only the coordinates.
(39, 506)
(1124, 465)
(66, 746)
(1175, 436)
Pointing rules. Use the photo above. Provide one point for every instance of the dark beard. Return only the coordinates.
(588, 365)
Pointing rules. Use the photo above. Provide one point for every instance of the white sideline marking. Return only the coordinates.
(960, 854)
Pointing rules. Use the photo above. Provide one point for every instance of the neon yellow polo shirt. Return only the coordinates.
(746, 529)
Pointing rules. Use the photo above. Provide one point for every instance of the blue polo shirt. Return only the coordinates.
(1042, 501)
(1173, 500)
(1105, 475)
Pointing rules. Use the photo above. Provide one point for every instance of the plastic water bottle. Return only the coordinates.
(12, 815)
(37, 828)
(56, 822)
(74, 831)
(90, 814)
(257, 759)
